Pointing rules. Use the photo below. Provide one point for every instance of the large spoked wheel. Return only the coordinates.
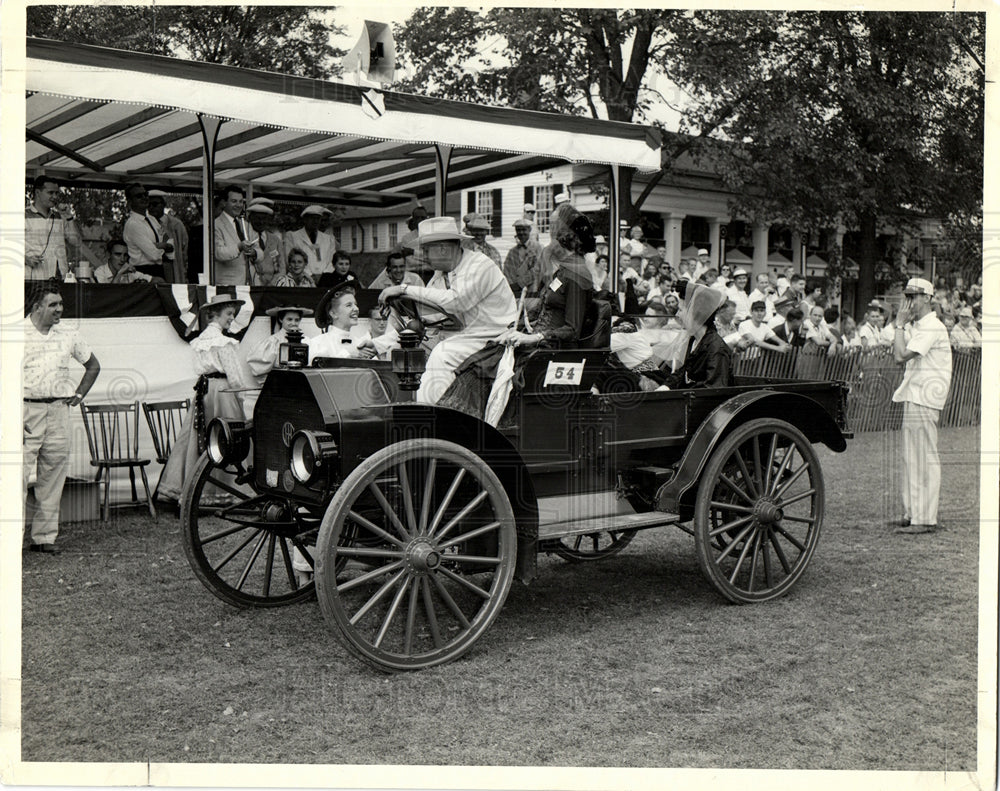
(759, 511)
(591, 546)
(431, 559)
(242, 545)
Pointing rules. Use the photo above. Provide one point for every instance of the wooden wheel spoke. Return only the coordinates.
(467, 584)
(425, 503)
(779, 553)
(369, 552)
(792, 539)
(770, 462)
(473, 504)
(806, 520)
(747, 477)
(411, 615)
(253, 559)
(236, 551)
(404, 482)
(226, 486)
(389, 511)
(739, 509)
(368, 576)
(792, 500)
(757, 468)
(577, 543)
(766, 555)
(730, 526)
(450, 603)
(791, 479)
(491, 527)
(754, 555)
(271, 539)
(439, 514)
(785, 460)
(391, 615)
(732, 485)
(286, 558)
(739, 560)
(376, 597)
(734, 543)
(431, 612)
(370, 525)
(222, 534)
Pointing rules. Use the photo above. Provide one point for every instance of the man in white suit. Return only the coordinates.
(234, 248)
(318, 246)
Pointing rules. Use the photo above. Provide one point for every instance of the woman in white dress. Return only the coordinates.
(336, 313)
(265, 354)
(220, 371)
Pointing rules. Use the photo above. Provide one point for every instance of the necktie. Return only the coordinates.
(239, 229)
(152, 227)
(447, 282)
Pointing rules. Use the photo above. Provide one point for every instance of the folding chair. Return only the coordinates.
(113, 440)
(164, 419)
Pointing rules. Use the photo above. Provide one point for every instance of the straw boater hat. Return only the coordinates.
(156, 194)
(260, 208)
(322, 313)
(741, 272)
(439, 229)
(703, 251)
(917, 285)
(528, 207)
(313, 209)
(260, 200)
(219, 300)
(562, 197)
(288, 309)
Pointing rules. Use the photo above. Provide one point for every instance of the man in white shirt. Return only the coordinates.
(119, 269)
(921, 342)
(46, 234)
(49, 393)
(466, 284)
(738, 294)
(174, 260)
(765, 292)
(316, 244)
(234, 241)
(395, 274)
(147, 242)
(965, 334)
(755, 331)
(869, 333)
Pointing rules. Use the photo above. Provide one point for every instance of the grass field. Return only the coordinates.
(869, 663)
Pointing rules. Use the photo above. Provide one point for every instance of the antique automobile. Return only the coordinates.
(416, 519)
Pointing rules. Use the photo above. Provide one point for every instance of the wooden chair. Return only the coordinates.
(164, 419)
(113, 440)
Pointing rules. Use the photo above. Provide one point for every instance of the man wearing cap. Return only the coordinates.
(175, 259)
(921, 342)
(234, 244)
(562, 197)
(147, 241)
(766, 292)
(870, 332)
(466, 284)
(528, 213)
(49, 393)
(522, 267)
(395, 273)
(318, 246)
(965, 334)
(269, 262)
(478, 227)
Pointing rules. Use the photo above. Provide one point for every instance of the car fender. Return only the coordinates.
(801, 411)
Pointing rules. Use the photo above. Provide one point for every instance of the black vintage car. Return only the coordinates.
(418, 518)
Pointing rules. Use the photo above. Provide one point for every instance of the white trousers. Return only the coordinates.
(921, 465)
(46, 449)
(441, 364)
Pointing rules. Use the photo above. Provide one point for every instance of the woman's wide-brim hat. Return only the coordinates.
(289, 309)
(322, 307)
(439, 229)
(220, 300)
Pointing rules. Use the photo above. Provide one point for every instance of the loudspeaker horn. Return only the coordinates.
(373, 58)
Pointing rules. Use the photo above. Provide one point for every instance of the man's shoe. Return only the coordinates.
(915, 529)
(47, 549)
(904, 522)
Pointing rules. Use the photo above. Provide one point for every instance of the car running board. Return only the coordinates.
(601, 524)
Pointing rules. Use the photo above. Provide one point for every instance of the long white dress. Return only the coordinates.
(214, 353)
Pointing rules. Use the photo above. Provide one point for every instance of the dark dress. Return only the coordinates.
(708, 365)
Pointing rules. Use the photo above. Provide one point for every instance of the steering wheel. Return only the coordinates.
(432, 317)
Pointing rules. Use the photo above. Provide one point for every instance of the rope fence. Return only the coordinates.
(872, 376)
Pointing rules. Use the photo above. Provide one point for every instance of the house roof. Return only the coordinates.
(98, 117)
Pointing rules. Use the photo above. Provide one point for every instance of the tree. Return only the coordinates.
(285, 39)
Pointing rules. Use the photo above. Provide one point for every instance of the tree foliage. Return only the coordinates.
(285, 39)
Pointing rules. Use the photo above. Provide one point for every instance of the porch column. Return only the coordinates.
(672, 222)
(209, 140)
(798, 258)
(760, 230)
(442, 161)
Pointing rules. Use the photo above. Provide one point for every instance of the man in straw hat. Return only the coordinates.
(921, 343)
(466, 284)
(269, 263)
(966, 335)
(318, 246)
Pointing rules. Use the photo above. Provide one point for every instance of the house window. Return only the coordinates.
(484, 203)
(337, 237)
(393, 234)
(354, 238)
(374, 236)
(543, 207)
(487, 204)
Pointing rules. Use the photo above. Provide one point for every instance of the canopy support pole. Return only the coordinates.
(442, 161)
(614, 252)
(209, 139)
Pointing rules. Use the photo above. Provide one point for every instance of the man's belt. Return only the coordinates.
(214, 375)
(51, 400)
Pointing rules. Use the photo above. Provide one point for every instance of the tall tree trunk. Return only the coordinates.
(626, 209)
(868, 254)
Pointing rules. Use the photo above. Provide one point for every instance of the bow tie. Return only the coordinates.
(345, 340)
